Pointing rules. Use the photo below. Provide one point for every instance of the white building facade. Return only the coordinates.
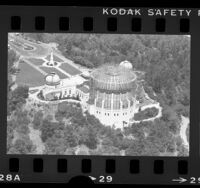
(57, 89)
(113, 97)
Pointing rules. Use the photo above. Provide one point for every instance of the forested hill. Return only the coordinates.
(164, 58)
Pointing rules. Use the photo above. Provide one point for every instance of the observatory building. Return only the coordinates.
(113, 94)
(59, 89)
(126, 64)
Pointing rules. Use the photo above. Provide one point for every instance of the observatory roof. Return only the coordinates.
(126, 64)
(113, 77)
(52, 79)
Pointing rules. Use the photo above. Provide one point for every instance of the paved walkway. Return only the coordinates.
(156, 105)
(183, 130)
(61, 70)
(39, 51)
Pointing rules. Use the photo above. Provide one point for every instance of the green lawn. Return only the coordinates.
(29, 76)
(69, 69)
(52, 69)
(36, 61)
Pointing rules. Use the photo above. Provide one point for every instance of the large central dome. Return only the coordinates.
(113, 77)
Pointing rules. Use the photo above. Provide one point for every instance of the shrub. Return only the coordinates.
(146, 114)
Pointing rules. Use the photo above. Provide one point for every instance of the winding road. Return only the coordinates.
(40, 50)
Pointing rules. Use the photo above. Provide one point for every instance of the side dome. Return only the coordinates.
(86, 74)
(126, 64)
(52, 79)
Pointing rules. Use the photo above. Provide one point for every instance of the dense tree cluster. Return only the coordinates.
(17, 98)
(12, 58)
(75, 129)
(18, 141)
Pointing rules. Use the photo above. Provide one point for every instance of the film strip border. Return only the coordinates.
(64, 24)
(110, 165)
(63, 168)
(94, 20)
(66, 168)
